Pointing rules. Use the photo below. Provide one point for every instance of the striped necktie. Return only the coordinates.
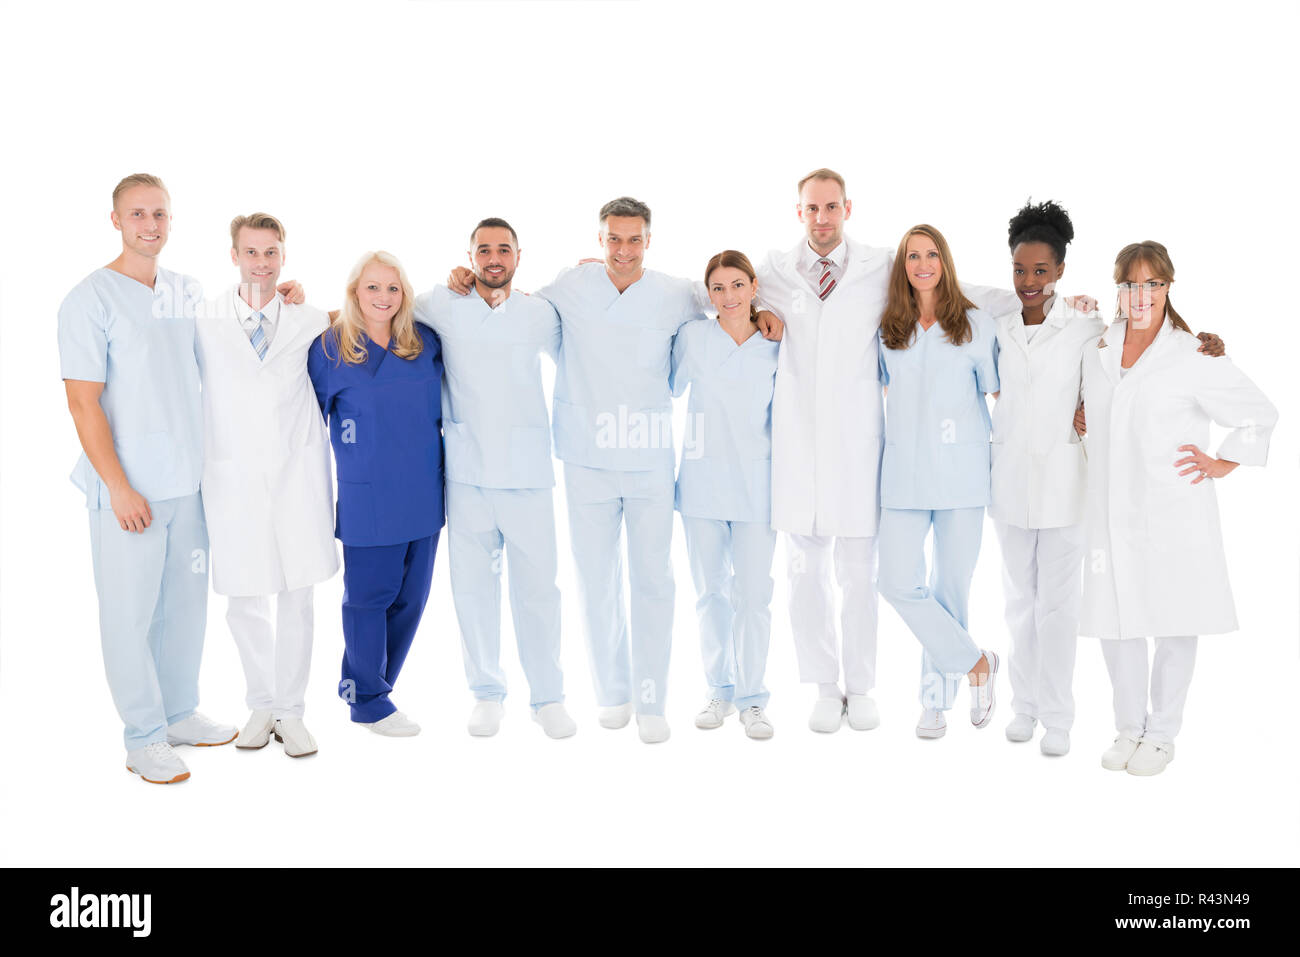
(258, 336)
(826, 283)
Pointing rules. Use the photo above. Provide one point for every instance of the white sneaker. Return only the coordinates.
(200, 731)
(932, 724)
(1055, 743)
(1116, 757)
(396, 725)
(1150, 758)
(615, 717)
(863, 713)
(157, 763)
(257, 732)
(756, 724)
(981, 696)
(826, 715)
(653, 728)
(485, 719)
(293, 734)
(714, 713)
(1021, 728)
(555, 721)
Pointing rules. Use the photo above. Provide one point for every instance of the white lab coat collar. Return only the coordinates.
(808, 258)
(1112, 348)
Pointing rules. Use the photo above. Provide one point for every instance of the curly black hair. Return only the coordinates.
(1046, 222)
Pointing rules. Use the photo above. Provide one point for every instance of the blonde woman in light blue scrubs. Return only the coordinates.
(724, 490)
(938, 359)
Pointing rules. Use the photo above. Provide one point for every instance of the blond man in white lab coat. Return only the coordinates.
(267, 490)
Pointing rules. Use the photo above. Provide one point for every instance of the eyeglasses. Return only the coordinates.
(1151, 286)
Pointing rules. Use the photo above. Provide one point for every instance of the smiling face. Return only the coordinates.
(379, 293)
(143, 215)
(259, 255)
(731, 291)
(493, 256)
(1034, 271)
(822, 210)
(923, 263)
(1141, 304)
(625, 240)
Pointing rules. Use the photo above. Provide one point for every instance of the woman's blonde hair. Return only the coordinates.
(901, 310)
(349, 326)
(1155, 257)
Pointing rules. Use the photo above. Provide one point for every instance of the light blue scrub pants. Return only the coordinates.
(601, 501)
(153, 607)
(731, 564)
(484, 526)
(935, 613)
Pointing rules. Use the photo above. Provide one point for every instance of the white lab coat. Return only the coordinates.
(827, 415)
(1154, 564)
(1039, 465)
(268, 492)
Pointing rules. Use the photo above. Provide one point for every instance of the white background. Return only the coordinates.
(398, 125)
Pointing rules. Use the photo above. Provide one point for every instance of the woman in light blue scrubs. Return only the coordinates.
(938, 358)
(724, 490)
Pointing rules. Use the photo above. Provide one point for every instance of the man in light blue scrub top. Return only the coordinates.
(499, 476)
(126, 351)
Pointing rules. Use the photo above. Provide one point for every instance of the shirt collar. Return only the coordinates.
(244, 312)
(809, 259)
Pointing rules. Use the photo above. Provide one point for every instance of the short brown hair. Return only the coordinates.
(254, 221)
(823, 173)
(137, 179)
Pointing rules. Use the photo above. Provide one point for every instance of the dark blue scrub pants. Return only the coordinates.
(384, 591)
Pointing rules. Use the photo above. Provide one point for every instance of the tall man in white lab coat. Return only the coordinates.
(827, 436)
(267, 489)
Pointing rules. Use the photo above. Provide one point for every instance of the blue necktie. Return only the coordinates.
(258, 336)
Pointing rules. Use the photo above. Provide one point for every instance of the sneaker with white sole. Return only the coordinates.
(826, 714)
(1150, 758)
(485, 719)
(714, 713)
(862, 711)
(756, 724)
(652, 728)
(615, 717)
(257, 732)
(982, 700)
(1116, 757)
(1055, 743)
(157, 763)
(396, 725)
(293, 734)
(1021, 728)
(932, 724)
(200, 731)
(555, 721)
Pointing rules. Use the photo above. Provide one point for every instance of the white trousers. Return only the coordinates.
(276, 658)
(1170, 677)
(1042, 579)
(812, 609)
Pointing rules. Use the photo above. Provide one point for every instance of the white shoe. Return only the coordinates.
(981, 696)
(257, 733)
(555, 721)
(653, 728)
(756, 724)
(1116, 757)
(714, 713)
(1021, 728)
(396, 725)
(1055, 743)
(616, 717)
(293, 734)
(485, 719)
(863, 713)
(826, 715)
(157, 763)
(1150, 758)
(200, 731)
(932, 724)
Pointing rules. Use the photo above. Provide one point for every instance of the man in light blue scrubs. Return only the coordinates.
(499, 476)
(126, 350)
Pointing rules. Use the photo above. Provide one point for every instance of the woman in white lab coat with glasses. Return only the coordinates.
(1154, 565)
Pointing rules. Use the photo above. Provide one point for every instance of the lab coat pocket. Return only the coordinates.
(530, 456)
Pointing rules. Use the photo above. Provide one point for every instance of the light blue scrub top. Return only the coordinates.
(494, 422)
(726, 470)
(140, 343)
(613, 408)
(937, 419)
